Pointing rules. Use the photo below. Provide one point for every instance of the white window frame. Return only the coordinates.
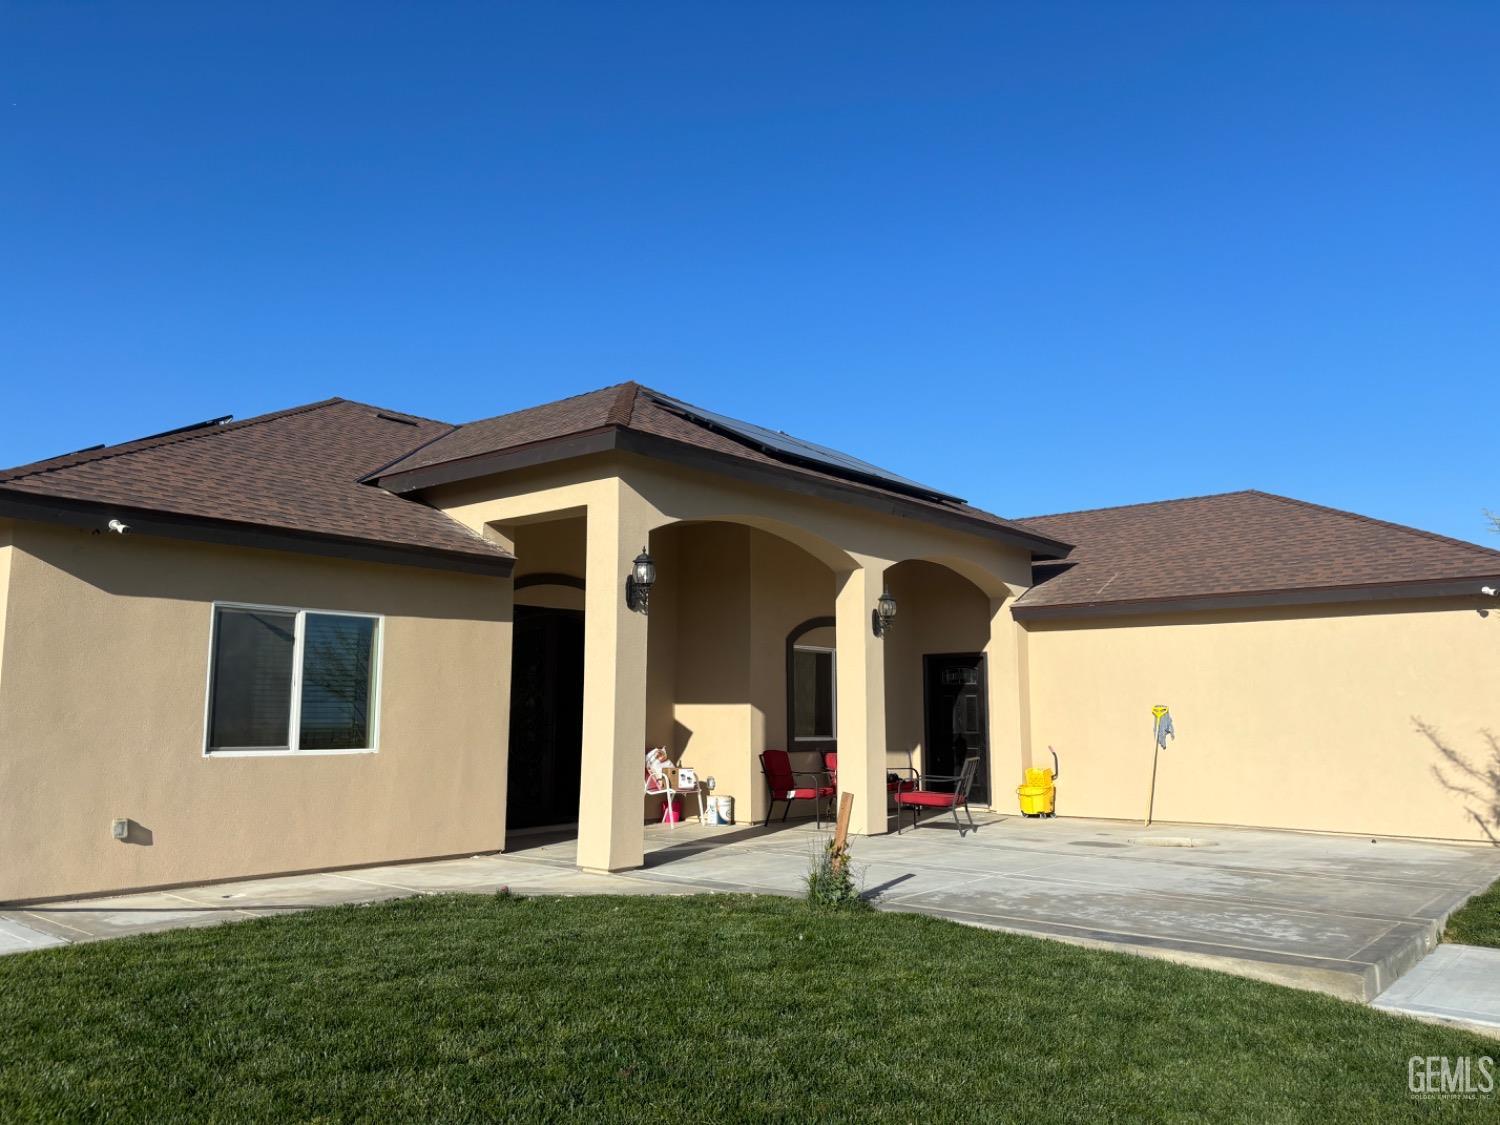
(833, 687)
(294, 726)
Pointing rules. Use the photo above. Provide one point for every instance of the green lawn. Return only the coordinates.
(1478, 923)
(675, 1009)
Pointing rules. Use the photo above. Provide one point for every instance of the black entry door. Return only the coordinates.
(957, 726)
(546, 717)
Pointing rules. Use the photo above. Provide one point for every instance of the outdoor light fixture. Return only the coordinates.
(884, 613)
(639, 581)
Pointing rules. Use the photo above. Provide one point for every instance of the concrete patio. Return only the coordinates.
(1341, 915)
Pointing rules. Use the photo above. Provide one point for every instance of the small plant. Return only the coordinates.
(830, 886)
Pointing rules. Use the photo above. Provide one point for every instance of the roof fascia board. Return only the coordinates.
(1328, 595)
(94, 516)
(692, 456)
(612, 439)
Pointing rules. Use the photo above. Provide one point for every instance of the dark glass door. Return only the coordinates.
(957, 726)
(546, 717)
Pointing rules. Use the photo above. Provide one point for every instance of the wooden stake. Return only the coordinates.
(841, 831)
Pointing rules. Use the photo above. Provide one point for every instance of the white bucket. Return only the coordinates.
(721, 810)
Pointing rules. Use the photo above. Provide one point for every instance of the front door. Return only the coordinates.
(546, 718)
(956, 722)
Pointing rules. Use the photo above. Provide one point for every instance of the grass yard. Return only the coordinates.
(676, 1009)
(1478, 923)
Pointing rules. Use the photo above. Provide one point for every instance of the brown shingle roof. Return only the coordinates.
(1238, 544)
(610, 406)
(295, 471)
(630, 406)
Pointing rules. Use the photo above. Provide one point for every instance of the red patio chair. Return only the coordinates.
(952, 800)
(782, 784)
(894, 782)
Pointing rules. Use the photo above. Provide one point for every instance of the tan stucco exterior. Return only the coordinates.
(7, 536)
(1291, 718)
(102, 699)
(1288, 718)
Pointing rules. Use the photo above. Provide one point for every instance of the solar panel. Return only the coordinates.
(787, 448)
(219, 421)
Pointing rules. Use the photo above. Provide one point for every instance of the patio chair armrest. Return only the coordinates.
(923, 780)
(810, 773)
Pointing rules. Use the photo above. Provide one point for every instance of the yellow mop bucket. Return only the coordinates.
(1039, 795)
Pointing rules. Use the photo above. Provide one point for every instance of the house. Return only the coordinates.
(340, 635)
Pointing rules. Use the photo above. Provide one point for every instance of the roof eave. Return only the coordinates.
(95, 515)
(1300, 596)
(618, 439)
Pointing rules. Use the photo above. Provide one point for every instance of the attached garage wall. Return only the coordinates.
(7, 534)
(106, 642)
(1298, 719)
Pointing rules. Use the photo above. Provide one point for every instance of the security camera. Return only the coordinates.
(118, 528)
(1487, 591)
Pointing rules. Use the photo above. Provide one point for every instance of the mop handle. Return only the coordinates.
(1157, 713)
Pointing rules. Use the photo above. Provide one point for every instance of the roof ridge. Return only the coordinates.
(1423, 532)
(141, 445)
(551, 402)
(388, 410)
(623, 409)
(373, 477)
(1140, 504)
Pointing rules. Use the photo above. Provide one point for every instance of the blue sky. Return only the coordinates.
(1046, 256)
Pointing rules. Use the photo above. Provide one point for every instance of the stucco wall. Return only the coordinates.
(7, 533)
(1292, 718)
(551, 547)
(709, 594)
(102, 714)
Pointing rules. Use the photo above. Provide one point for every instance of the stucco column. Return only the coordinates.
(861, 698)
(611, 817)
(1007, 701)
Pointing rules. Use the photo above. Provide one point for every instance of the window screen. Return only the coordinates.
(251, 703)
(338, 660)
(812, 693)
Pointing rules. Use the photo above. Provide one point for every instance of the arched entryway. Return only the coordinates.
(937, 711)
(544, 758)
(729, 596)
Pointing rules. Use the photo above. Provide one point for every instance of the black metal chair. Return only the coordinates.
(925, 798)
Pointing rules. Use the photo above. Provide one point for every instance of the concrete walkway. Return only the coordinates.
(1341, 915)
(1455, 984)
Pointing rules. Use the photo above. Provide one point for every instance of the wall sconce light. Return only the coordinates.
(884, 613)
(639, 581)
